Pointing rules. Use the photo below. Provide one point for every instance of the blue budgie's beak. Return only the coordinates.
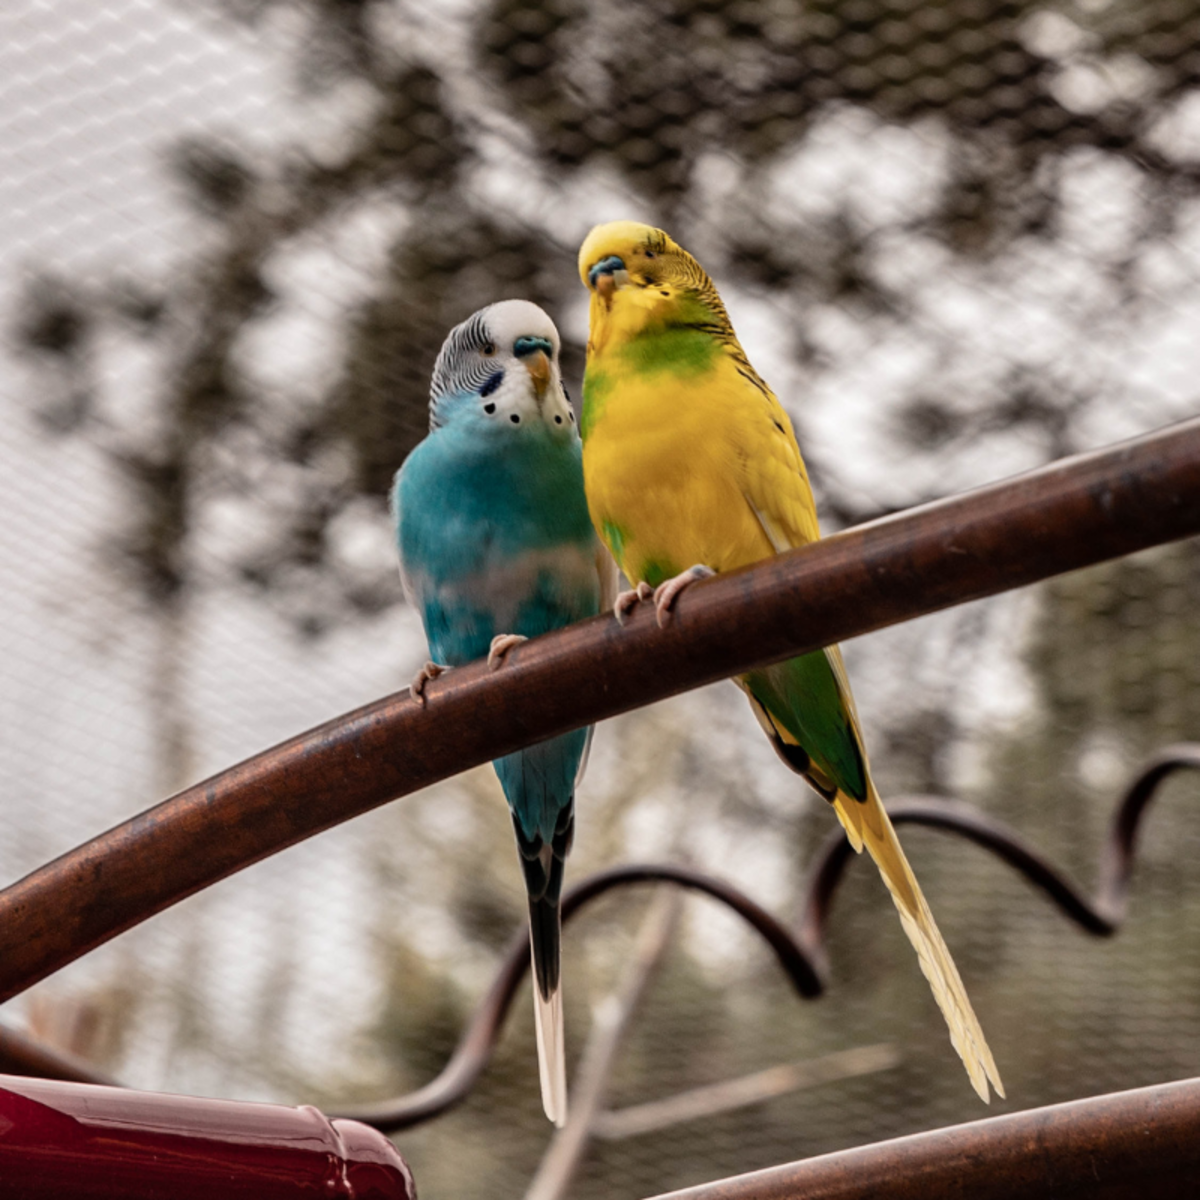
(535, 353)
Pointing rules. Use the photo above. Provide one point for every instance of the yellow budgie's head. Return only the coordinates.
(640, 277)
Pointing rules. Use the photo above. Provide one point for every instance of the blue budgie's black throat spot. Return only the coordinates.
(492, 383)
(489, 407)
(515, 418)
(530, 345)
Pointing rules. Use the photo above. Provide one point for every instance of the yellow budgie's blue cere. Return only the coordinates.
(496, 547)
(691, 467)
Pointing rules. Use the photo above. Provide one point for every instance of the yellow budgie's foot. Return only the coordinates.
(667, 593)
(502, 643)
(430, 670)
(626, 602)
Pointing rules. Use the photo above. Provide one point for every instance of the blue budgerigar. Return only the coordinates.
(495, 547)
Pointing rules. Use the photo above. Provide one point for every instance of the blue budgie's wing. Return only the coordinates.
(395, 505)
(442, 542)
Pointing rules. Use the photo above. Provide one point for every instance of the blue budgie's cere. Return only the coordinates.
(495, 547)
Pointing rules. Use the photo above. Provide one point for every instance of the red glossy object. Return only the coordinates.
(84, 1142)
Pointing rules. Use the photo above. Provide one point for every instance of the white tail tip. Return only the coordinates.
(551, 1048)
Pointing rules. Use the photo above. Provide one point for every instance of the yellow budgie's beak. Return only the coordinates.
(607, 275)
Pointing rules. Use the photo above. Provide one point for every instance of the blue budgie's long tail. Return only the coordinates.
(543, 867)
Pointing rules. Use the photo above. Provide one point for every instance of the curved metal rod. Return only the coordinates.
(803, 957)
(1116, 864)
(475, 1047)
(1102, 915)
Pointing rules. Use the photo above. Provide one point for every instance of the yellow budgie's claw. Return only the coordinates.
(626, 602)
(667, 593)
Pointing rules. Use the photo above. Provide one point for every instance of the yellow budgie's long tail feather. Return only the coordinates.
(867, 824)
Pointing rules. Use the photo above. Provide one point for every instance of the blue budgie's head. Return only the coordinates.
(501, 366)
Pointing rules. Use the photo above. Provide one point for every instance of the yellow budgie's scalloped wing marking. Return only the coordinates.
(774, 480)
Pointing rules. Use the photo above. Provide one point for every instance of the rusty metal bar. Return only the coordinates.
(1125, 1146)
(1079, 511)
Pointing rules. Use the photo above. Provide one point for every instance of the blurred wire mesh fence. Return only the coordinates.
(957, 237)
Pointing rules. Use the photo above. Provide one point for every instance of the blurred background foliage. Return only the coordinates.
(960, 237)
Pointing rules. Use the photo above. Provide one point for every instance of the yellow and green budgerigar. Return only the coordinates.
(691, 467)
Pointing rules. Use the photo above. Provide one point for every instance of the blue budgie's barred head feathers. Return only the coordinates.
(500, 366)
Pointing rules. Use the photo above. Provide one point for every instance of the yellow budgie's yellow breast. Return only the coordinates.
(684, 464)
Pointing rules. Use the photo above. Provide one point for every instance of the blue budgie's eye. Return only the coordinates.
(488, 349)
(491, 383)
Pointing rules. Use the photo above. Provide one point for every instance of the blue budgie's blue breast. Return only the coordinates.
(494, 535)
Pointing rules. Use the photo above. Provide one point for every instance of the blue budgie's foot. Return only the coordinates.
(667, 593)
(502, 643)
(430, 670)
(626, 602)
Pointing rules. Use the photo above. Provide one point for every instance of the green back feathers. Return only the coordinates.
(802, 695)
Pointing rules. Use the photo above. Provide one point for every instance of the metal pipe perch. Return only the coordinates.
(1124, 1146)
